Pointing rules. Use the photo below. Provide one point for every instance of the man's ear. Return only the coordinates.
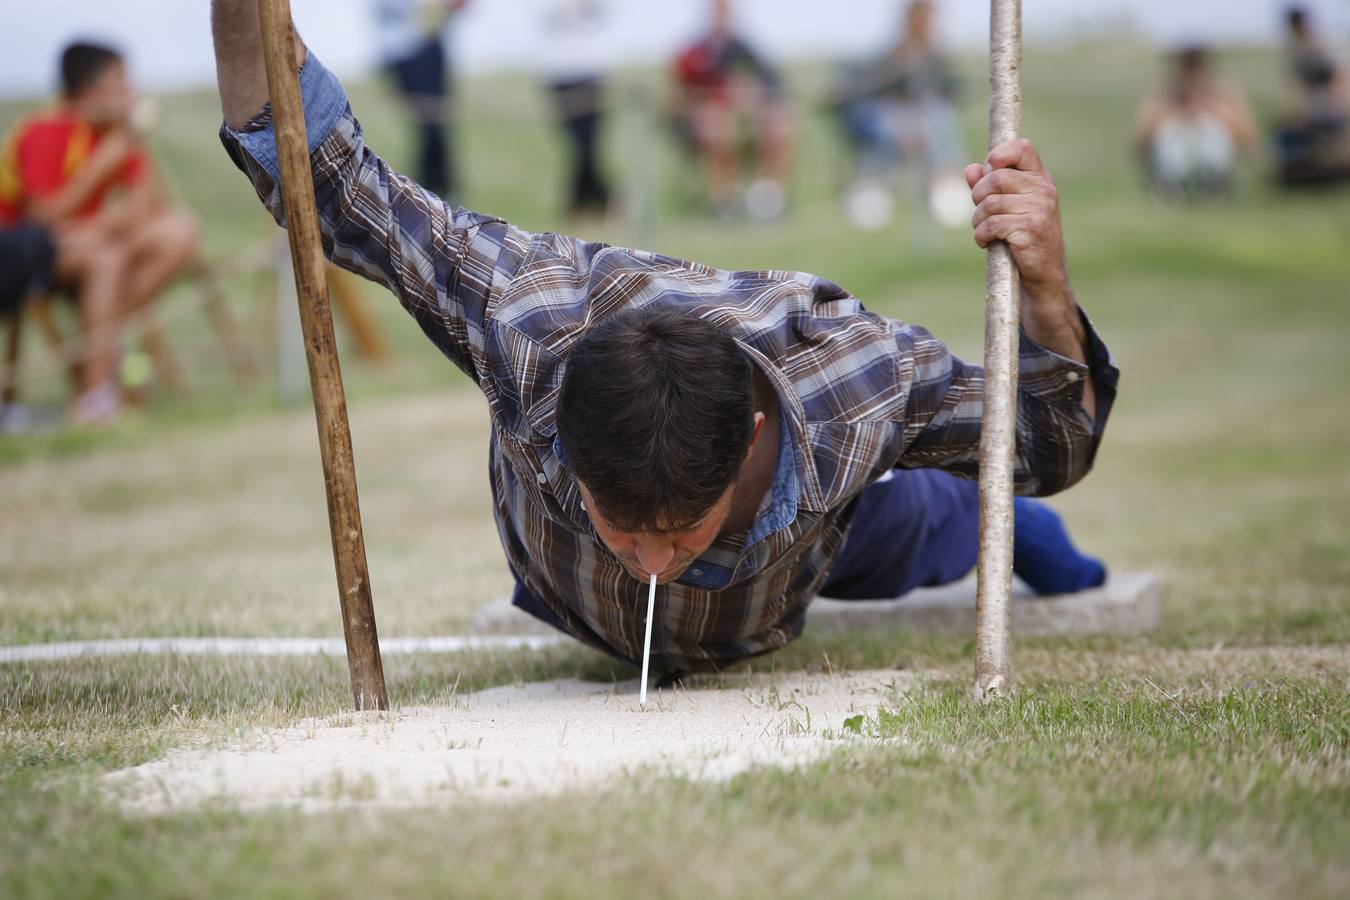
(760, 419)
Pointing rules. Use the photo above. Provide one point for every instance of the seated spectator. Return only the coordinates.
(902, 106)
(1313, 140)
(723, 83)
(1192, 130)
(80, 173)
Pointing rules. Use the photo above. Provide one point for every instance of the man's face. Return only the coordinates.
(667, 553)
(109, 98)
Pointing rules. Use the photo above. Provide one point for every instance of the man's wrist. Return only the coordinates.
(1050, 316)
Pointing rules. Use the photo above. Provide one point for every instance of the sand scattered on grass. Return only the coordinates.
(514, 742)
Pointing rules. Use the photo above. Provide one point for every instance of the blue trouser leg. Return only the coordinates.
(912, 528)
(920, 528)
(1043, 555)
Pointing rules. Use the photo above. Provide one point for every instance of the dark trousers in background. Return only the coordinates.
(578, 103)
(424, 80)
(26, 259)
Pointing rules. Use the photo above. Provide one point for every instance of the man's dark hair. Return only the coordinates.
(655, 416)
(1296, 17)
(1192, 58)
(83, 63)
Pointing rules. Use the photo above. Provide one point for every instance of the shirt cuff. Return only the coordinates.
(1049, 376)
(324, 101)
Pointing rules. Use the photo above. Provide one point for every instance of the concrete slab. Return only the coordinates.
(1129, 602)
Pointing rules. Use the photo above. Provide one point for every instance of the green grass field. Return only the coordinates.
(1208, 759)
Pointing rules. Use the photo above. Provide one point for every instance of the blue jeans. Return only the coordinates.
(921, 528)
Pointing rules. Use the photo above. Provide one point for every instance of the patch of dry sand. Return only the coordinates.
(513, 742)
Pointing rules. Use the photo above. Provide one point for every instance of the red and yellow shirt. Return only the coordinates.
(45, 152)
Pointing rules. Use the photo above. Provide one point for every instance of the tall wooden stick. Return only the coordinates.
(325, 374)
(993, 632)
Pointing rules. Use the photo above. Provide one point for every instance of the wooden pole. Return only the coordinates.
(993, 631)
(325, 374)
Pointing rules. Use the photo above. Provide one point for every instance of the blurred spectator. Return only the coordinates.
(1313, 141)
(412, 41)
(903, 105)
(79, 174)
(1191, 131)
(575, 67)
(723, 82)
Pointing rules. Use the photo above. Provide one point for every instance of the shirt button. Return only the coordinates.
(695, 572)
(541, 478)
(1071, 377)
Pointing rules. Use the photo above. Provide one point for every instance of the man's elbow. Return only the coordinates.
(1052, 472)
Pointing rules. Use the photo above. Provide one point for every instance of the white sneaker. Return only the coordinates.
(765, 200)
(869, 205)
(98, 406)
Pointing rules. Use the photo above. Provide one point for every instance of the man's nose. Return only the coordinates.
(655, 556)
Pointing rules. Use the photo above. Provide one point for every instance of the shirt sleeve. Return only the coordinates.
(443, 264)
(1057, 440)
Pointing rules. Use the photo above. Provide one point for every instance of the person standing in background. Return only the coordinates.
(411, 35)
(575, 67)
(1313, 139)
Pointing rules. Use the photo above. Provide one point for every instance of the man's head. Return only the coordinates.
(1297, 21)
(919, 15)
(94, 80)
(657, 416)
(722, 17)
(1192, 63)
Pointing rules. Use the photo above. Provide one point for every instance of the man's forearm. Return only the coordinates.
(1051, 319)
(241, 73)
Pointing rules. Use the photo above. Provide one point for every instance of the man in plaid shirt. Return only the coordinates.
(753, 438)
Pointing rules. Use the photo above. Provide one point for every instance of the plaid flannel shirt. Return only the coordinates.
(859, 393)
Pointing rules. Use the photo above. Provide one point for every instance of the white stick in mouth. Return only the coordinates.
(647, 641)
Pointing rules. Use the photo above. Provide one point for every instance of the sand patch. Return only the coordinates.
(514, 742)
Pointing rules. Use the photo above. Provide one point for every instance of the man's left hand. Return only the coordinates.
(1016, 201)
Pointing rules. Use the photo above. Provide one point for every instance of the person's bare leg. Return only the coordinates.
(766, 198)
(96, 268)
(775, 142)
(714, 130)
(162, 248)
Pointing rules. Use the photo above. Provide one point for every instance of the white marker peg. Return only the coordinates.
(647, 641)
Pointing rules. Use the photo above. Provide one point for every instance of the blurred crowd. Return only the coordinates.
(85, 222)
